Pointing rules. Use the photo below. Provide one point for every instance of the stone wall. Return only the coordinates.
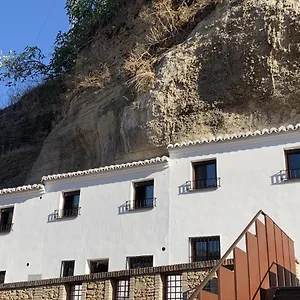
(144, 284)
(95, 290)
(144, 287)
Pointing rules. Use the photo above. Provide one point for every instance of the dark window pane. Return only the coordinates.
(71, 203)
(136, 262)
(205, 248)
(205, 174)
(2, 276)
(6, 219)
(99, 266)
(293, 164)
(144, 194)
(67, 268)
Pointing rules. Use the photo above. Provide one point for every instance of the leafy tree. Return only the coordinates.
(85, 17)
(23, 66)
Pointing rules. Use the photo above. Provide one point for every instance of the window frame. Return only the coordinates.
(8, 226)
(2, 276)
(62, 267)
(129, 263)
(75, 210)
(116, 295)
(288, 152)
(142, 183)
(193, 186)
(90, 261)
(166, 285)
(192, 245)
(73, 292)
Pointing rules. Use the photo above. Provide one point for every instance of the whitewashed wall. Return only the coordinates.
(102, 230)
(248, 169)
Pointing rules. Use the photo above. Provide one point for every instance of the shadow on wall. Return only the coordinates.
(277, 178)
(184, 188)
(282, 178)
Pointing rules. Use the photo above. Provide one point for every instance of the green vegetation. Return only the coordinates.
(85, 17)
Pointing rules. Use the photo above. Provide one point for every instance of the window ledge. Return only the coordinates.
(140, 208)
(203, 190)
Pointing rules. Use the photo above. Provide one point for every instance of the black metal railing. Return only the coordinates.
(290, 174)
(141, 203)
(202, 184)
(67, 212)
(6, 227)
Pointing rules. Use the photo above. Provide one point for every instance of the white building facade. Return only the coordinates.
(187, 207)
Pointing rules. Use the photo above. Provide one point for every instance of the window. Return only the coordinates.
(71, 204)
(205, 248)
(6, 219)
(293, 163)
(205, 175)
(67, 268)
(2, 276)
(143, 194)
(173, 289)
(136, 262)
(75, 292)
(98, 266)
(122, 289)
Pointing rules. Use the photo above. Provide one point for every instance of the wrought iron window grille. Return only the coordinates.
(209, 183)
(289, 174)
(67, 213)
(75, 292)
(173, 287)
(141, 204)
(122, 289)
(6, 227)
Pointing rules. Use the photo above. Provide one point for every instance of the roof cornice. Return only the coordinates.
(241, 135)
(106, 169)
(24, 188)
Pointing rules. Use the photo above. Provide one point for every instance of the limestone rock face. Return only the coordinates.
(239, 69)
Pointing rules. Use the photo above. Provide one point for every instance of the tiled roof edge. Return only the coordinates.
(24, 188)
(106, 168)
(240, 135)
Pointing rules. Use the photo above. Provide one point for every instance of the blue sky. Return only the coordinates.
(30, 23)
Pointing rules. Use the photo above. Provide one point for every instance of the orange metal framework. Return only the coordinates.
(269, 261)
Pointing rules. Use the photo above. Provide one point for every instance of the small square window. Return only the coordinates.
(6, 217)
(173, 287)
(71, 204)
(67, 268)
(293, 164)
(122, 289)
(75, 292)
(98, 266)
(205, 248)
(2, 276)
(205, 175)
(143, 194)
(136, 262)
